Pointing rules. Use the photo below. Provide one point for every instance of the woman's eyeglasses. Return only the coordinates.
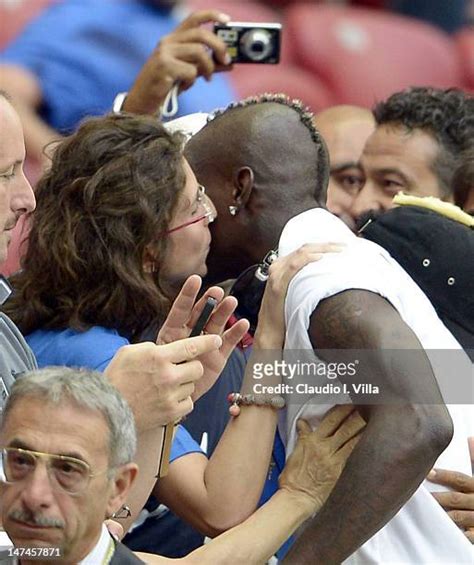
(207, 206)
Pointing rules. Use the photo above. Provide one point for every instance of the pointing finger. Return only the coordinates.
(191, 347)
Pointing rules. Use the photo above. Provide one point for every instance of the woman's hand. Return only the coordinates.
(319, 456)
(270, 331)
(185, 312)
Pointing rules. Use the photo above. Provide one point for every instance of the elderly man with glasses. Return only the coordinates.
(68, 442)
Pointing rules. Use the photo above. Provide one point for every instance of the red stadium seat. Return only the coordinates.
(15, 15)
(249, 80)
(278, 4)
(239, 11)
(365, 55)
(371, 3)
(465, 44)
(286, 3)
(378, 4)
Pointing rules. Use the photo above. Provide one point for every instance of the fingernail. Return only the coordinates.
(217, 341)
(227, 59)
(431, 475)
(224, 18)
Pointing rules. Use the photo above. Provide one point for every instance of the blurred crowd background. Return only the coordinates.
(70, 58)
(335, 51)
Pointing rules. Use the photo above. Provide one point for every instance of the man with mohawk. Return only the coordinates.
(266, 168)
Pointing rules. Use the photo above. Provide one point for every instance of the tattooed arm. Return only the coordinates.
(402, 439)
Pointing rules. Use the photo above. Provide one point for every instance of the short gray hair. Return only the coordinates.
(87, 389)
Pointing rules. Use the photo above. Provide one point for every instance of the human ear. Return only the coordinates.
(121, 484)
(243, 185)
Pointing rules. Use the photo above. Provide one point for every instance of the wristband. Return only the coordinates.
(119, 102)
(236, 400)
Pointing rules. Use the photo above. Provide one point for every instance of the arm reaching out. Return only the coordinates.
(308, 477)
(216, 495)
(157, 382)
(179, 58)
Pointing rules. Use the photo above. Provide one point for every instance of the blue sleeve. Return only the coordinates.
(183, 444)
(84, 52)
(97, 349)
(54, 48)
(93, 349)
(45, 34)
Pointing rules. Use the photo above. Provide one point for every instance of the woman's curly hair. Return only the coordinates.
(110, 192)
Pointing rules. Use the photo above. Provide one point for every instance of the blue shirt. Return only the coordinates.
(84, 52)
(93, 349)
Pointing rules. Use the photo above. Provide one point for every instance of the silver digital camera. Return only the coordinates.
(249, 42)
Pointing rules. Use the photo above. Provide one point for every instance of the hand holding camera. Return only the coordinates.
(191, 51)
(187, 53)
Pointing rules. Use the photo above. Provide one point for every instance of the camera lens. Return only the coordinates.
(256, 44)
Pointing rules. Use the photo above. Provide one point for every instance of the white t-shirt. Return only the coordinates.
(421, 532)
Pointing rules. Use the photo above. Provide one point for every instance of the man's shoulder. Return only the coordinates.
(357, 263)
(15, 356)
(15, 352)
(357, 266)
(8, 328)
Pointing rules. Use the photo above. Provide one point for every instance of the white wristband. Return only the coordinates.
(170, 105)
(118, 102)
(168, 110)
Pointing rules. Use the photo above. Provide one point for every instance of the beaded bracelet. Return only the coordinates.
(236, 400)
